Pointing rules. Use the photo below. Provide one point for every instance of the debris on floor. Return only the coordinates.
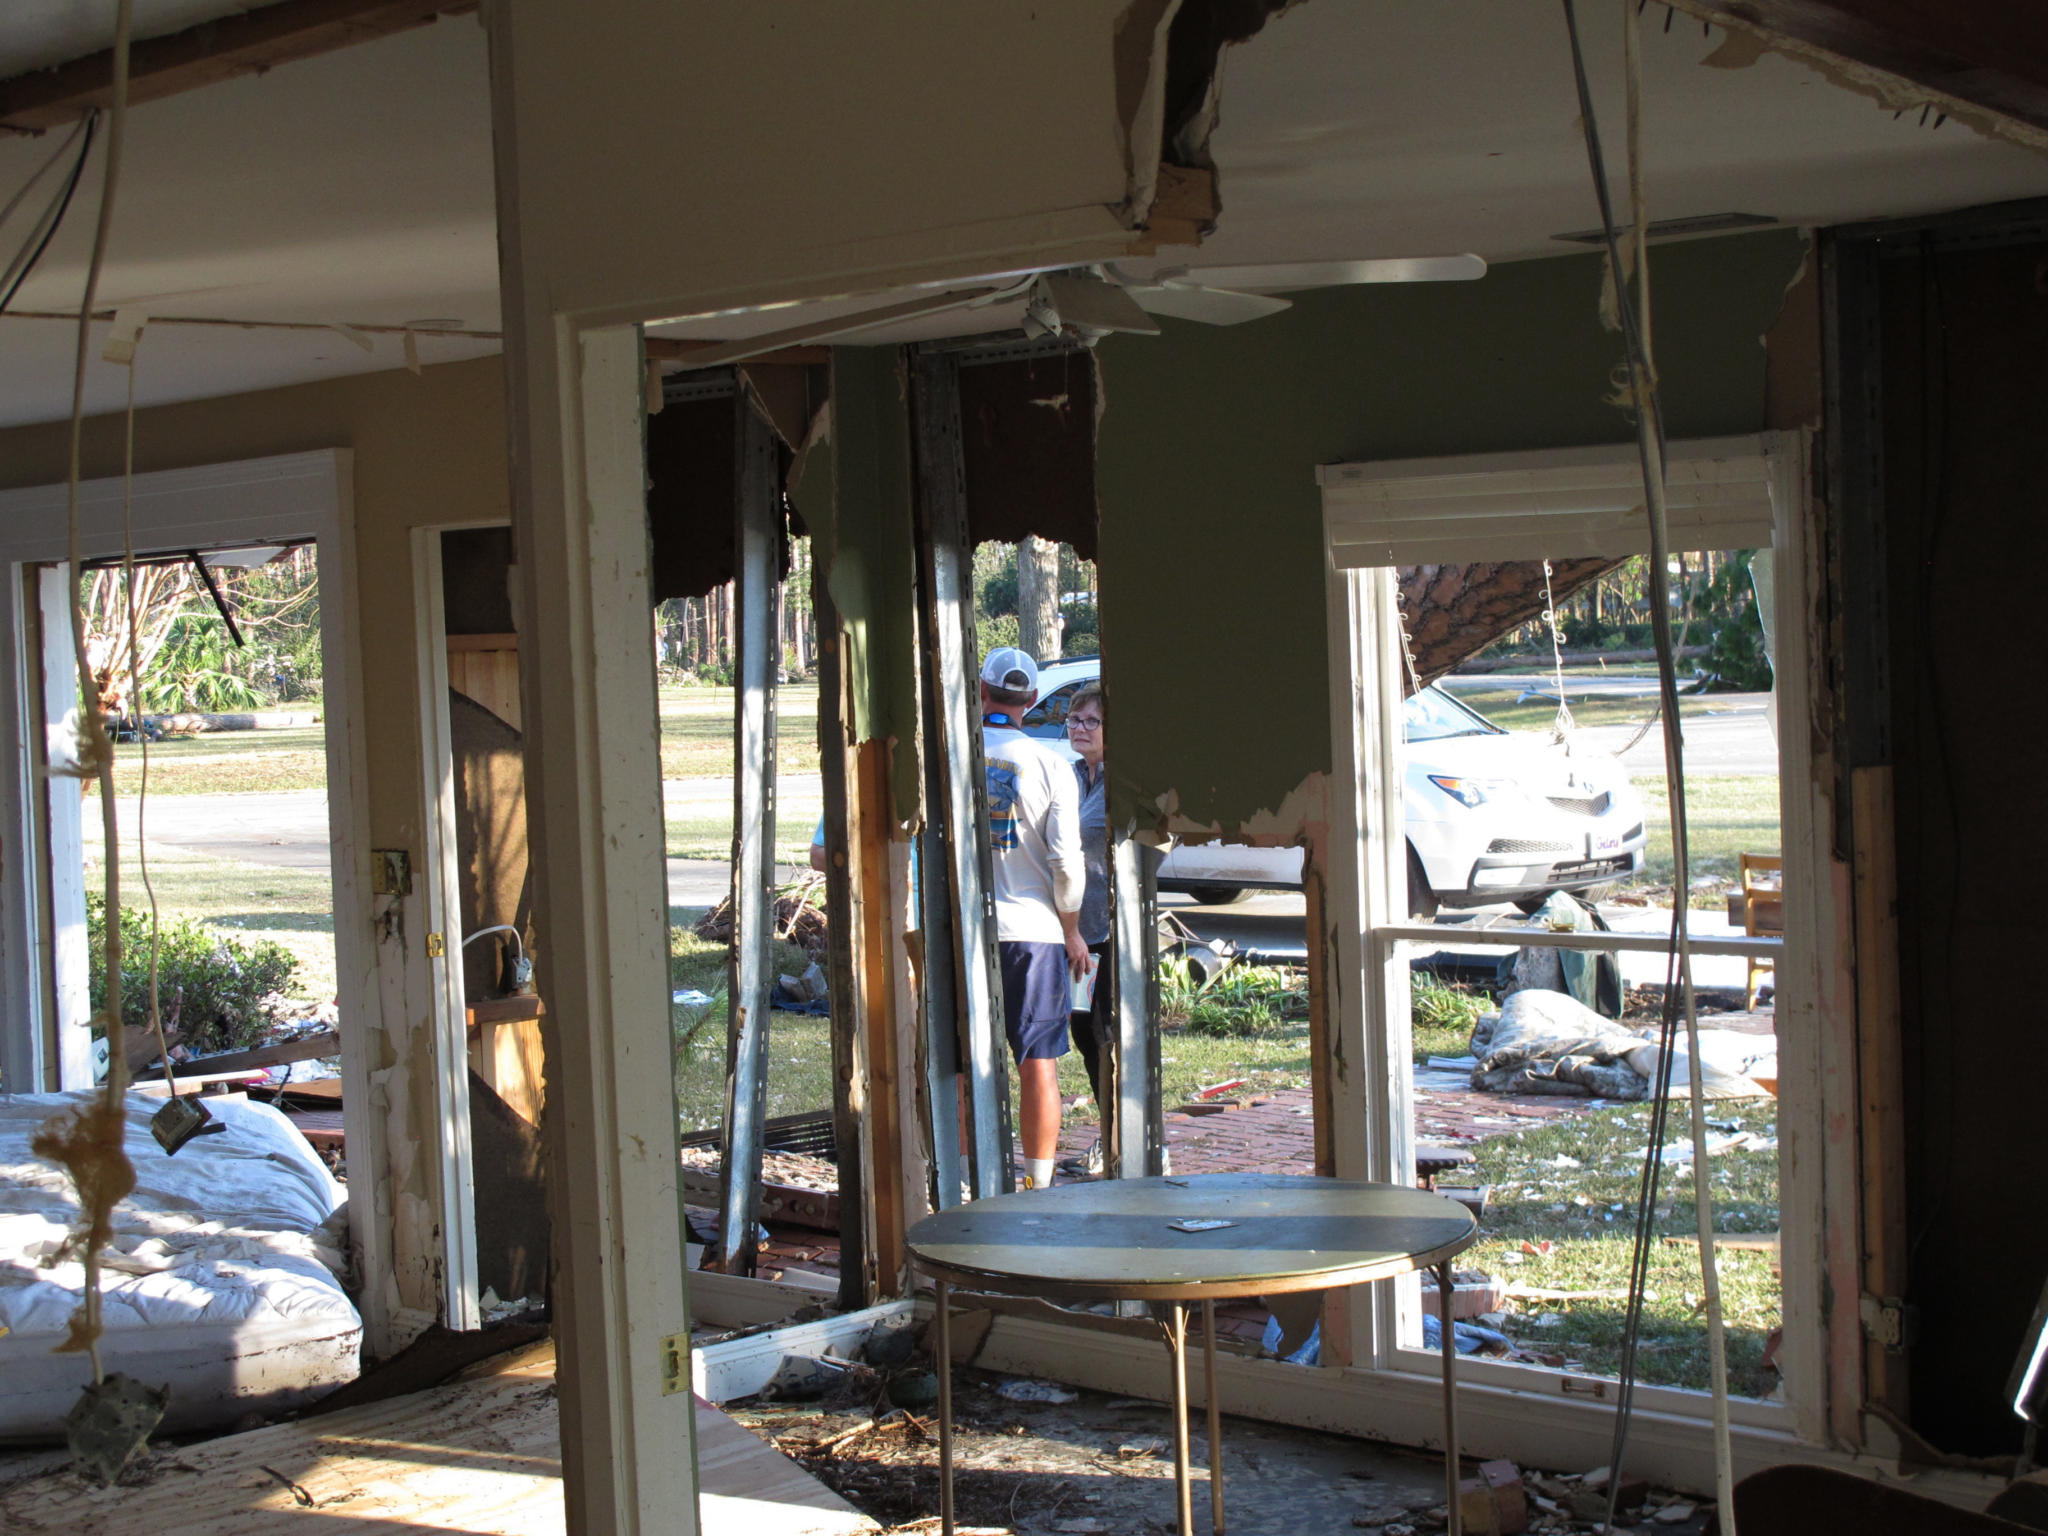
(1088, 1462)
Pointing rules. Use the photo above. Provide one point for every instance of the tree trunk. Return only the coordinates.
(1038, 598)
(1453, 612)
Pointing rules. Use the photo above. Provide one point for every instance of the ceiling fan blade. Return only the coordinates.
(1090, 304)
(1211, 306)
(1285, 275)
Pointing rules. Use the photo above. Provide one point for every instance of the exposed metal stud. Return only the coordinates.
(759, 501)
(946, 631)
(940, 972)
(1140, 1130)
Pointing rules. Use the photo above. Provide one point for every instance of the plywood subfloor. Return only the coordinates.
(479, 1457)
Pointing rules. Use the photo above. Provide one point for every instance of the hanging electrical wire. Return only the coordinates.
(63, 148)
(1642, 397)
(89, 1142)
(52, 218)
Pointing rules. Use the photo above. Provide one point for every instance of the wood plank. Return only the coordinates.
(509, 1056)
(480, 1456)
(490, 677)
(1880, 1070)
(306, 1048)
(505, 1010)
(876, 946)
(505, 641)
(243, 44)
(1322, 960)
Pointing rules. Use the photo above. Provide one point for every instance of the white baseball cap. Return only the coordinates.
(1008, 667)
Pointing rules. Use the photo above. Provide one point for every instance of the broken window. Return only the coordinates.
(1516, 966)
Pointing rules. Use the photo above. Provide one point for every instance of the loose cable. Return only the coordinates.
(1678, 996)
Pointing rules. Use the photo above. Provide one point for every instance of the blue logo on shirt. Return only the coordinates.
(1002, 804)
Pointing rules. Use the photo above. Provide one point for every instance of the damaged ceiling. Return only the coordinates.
(1344, 131)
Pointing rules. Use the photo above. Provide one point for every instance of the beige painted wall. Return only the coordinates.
(428, 449)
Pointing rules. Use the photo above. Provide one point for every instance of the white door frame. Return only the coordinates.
(440, 870)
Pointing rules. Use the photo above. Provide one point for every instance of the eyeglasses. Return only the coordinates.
(1084, 723)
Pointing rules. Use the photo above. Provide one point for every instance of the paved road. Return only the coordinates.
(1724, 732)
(288, 830)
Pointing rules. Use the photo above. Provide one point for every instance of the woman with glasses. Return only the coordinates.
(1092, 1027)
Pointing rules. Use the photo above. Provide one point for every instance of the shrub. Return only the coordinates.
(1245, 1001)
(224, 992)
(1441, 1014)
(990, 633)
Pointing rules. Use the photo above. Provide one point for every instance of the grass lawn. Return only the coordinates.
(799, 1045)
(696, 742)
(293, 906)
(696, 730)
(225, 762)
(1499, 705)
(1726, 815)
(700, 826)
(1585, 1208)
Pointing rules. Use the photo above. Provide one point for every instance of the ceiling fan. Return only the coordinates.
(1091, 302)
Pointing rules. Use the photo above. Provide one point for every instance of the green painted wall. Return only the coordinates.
(861, 516)
(1211, 566)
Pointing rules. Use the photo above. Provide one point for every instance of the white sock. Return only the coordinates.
(1039, 1171)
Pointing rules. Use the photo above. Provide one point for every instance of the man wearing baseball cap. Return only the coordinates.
(1040, 877)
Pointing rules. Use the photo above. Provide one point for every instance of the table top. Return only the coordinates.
(1116, 1239)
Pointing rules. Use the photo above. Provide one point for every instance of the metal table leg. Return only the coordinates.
(1448, 1337)
(1215, 1418)
(943, 1295)
(1176, 1329)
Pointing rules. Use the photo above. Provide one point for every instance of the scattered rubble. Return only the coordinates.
(1084, 1462)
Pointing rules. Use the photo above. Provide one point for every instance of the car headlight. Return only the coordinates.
(1470, 791)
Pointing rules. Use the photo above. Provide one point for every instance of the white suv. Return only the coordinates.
(1492, 815)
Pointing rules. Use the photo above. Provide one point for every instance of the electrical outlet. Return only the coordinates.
(390, 872)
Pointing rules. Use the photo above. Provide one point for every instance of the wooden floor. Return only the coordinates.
(479, 1457)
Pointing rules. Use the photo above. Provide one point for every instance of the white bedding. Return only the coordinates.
(223, 1281)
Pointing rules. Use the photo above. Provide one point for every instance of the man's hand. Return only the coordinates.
(1077, 952)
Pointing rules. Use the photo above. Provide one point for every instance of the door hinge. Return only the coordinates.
(1889, 1321)
(675, 1364)
(436, 946)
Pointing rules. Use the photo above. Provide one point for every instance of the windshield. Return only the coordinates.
(1433, 715)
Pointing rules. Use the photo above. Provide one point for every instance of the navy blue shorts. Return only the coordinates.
(1038, 990)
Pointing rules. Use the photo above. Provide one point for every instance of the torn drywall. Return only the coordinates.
(1748, 40)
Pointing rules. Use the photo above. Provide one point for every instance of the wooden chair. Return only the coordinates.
(1763, 909)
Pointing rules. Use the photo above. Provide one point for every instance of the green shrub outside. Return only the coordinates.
(223, 992)
(990, 633)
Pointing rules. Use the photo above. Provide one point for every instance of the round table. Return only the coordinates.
(1148, 1240)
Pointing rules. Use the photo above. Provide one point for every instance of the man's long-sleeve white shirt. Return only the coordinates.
(1034, 817)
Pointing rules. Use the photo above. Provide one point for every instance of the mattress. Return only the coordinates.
(223, 1280)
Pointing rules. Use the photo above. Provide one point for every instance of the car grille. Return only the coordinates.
(1527, 845)
(1597, 806)
(1590, 870)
